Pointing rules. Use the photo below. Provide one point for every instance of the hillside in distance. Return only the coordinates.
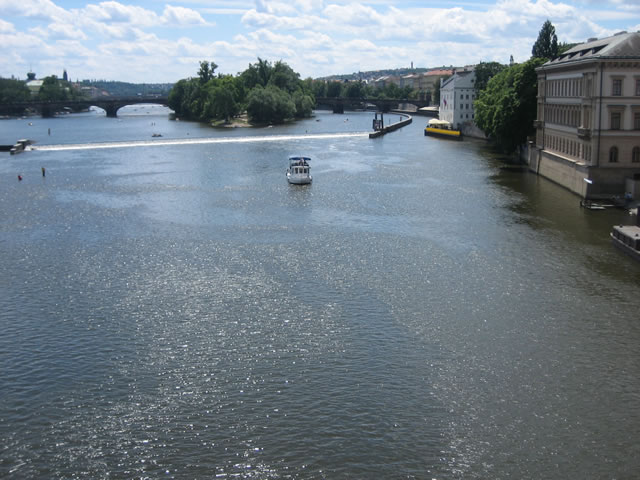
(375, 74)
(126, 89)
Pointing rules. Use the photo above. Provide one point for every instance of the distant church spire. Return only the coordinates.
(65, 77)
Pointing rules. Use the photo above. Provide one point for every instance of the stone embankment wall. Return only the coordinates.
(394, 126)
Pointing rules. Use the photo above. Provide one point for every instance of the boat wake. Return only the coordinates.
(196, 141)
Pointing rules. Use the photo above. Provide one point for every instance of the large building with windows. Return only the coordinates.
(457, 94)
(588, 118)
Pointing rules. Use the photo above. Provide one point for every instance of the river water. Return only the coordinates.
(422, 310)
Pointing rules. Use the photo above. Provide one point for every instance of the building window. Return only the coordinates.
(635, 155)
(616, 91)
(637, 87)
(636, 121)
(615, 120)
(613, 155)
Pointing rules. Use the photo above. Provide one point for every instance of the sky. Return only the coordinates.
(158, 41)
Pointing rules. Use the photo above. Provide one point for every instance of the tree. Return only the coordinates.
(270, 94)
(319, 88)
(13, 91)
(546, 45)
(354, 89)
(304, 104)
(269, 105)
(206, 71)
(334, 89)
(222, 99)
(52, 90)
(283, 77)
(506, 108)
(484, 71)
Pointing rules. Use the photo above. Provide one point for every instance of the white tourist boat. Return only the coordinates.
(627, 237)
(299, 171)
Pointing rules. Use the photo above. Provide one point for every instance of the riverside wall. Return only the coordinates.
(393, 126)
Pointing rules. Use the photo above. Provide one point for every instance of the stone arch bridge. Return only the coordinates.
(339, 104)
(111, 105)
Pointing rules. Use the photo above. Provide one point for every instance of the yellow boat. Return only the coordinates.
(442, 128)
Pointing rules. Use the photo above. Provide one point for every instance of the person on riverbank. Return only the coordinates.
(43, 171)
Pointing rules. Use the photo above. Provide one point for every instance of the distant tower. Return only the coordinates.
(31, 76)
(411, 65)
(511, 60)
(65, 77)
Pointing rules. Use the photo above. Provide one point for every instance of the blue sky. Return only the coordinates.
(159, 41)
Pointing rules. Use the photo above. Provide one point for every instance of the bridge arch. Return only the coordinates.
(110, 105)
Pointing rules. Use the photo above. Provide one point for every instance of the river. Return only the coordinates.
(422, 310)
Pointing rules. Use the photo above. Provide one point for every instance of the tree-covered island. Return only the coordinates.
(268, 92)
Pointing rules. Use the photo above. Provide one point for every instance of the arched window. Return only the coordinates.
(635, 155)
(613, 155)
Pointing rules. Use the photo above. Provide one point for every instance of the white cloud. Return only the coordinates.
(253, 18)
(181, 16)
(38, 9)
(136, 39)
(354, 14)
(6, 27)
(115, 12)
(65, 31)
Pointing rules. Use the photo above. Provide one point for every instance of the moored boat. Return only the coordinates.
(627, 238)
(442, 128)
(20, 146)
(299, 171)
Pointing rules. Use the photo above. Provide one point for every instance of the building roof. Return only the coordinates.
(457, 75)
(439, 72)
(622, 45)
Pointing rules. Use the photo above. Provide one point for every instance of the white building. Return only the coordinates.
(588, 119)
(457, 94)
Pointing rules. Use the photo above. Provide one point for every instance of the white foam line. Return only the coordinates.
(195, 141)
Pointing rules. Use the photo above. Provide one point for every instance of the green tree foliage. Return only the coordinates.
(12, 91)
(270, 93)
(546, 45)
(484, 72)
(125, 89)
(319, 88)
(506, 108)
(354, 89)
(55, 89)
(52, 90)
(334, 89)
(206, 71)
(270, 104)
